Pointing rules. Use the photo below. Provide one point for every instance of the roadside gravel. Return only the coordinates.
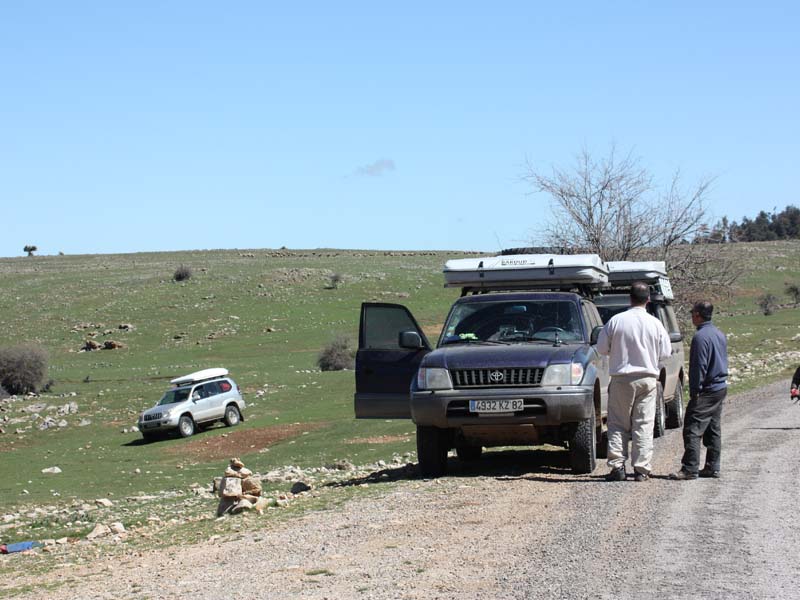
(517, 525)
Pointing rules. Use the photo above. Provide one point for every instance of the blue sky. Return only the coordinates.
(189, 125)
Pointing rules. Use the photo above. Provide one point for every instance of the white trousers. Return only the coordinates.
(631, 415)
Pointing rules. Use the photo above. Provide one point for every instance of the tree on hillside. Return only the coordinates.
(30, 249)
(612, 207)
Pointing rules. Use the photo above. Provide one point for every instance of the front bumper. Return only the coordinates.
(542, 406)
(162, 424)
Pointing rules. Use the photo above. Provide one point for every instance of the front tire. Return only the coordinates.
(675, 408)
(432, 447)
(660, 425)
(232, 415)
(582, 446)
(186, 426)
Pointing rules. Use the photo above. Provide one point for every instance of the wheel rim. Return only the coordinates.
(186, 427)
(233, 416)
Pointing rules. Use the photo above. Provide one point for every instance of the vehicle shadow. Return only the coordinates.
(775, 428)
(550, 466)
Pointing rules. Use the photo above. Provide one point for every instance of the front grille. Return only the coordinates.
(152, 417)
(484, 378)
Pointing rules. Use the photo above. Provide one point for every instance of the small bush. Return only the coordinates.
(182, 273)
(22, 368)
(794, 293)
(334, 280)
(337, 355)
(768, 303)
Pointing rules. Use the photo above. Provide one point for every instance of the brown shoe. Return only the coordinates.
(682, 476)
(708, 472)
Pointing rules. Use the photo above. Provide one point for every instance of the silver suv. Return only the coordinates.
(196, 401)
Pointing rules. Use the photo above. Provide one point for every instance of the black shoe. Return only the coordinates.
(616, 474)
(708, 472)
(640, 477)
(682, 476)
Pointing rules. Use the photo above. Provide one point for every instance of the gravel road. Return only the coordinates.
(518, 525)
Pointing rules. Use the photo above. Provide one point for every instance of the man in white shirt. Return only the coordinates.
(635, 342)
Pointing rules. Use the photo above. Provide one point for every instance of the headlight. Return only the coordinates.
(566, 374)
(433, 379)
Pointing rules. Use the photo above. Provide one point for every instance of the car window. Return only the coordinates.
(382, 326)
(606, 312)
(667, 316)
(173, 396)
(224, 386)
(212, 388)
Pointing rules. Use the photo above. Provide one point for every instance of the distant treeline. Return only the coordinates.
(765, 227)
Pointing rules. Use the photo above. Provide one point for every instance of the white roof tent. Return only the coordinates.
(623, 273)
(199, 376)
(586, 272)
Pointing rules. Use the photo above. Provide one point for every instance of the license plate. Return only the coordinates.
(150, 425)
(495, 406)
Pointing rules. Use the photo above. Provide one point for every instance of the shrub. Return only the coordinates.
(794, 293)
(22, 368)
(768, 303)
(337, 355)
(182, 273)
(335, 280)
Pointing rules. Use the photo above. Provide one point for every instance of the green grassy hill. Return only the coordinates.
(264, 315)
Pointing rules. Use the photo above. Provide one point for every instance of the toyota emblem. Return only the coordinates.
(496, 376)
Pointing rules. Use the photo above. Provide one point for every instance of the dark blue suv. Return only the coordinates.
(510, 368)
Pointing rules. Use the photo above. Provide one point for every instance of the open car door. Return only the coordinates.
(390, 347)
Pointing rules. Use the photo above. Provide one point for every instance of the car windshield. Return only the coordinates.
(173, 396)
(518, 321)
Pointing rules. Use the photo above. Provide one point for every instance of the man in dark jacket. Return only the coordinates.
(708, 370)
(794, 391)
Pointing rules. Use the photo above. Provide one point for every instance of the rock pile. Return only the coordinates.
(239, 490)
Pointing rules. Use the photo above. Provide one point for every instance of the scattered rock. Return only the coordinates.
(241, 506)
(231, 487)
(52, 470)
(84, 423)
(112, 345)
(117, 528)
(299, 487)
(99, 531)
(105, 502)
(126, 327)
(90, 345)
(251, 485)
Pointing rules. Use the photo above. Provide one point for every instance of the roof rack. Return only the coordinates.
(623, 273)
(586, 273)
(199, 376)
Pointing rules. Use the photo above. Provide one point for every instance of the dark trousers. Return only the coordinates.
(703, 420)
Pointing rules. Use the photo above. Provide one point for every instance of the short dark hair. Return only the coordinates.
(704, 309)
(640, 292)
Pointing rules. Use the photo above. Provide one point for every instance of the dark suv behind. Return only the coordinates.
(509, 368)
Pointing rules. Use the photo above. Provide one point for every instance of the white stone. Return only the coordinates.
(104, 502)
(231, 487)
(99, 531)
(53, 470)
(117, 527)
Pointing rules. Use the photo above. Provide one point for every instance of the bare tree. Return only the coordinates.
(611, 206)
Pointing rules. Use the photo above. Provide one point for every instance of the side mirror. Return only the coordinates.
(676, 336)
(410, 340)
(595, 334)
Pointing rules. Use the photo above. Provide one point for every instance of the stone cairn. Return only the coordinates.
(239, 490)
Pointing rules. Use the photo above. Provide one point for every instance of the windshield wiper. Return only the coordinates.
(471, 341)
